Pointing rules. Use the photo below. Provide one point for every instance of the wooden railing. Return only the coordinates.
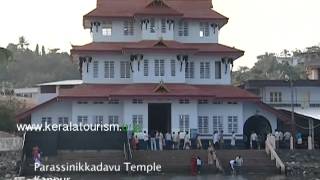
(270, 150)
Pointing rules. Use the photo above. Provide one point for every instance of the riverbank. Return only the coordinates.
(302, 163)
(9, 164)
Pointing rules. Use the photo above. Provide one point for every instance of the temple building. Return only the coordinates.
(157, 65)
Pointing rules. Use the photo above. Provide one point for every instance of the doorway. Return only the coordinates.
(159, 117)
(259, 125)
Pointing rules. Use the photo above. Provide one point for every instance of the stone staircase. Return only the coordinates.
(178, 161)
(255, 161)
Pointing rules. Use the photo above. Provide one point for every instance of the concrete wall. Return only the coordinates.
(10, 143)
(54, 110)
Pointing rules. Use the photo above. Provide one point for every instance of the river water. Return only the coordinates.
(180, 177)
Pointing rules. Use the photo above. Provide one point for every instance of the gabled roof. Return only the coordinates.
(159, 8)
(148, 90)
(188, 9)
(152, 45)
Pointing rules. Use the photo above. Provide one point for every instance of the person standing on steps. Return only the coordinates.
(187, 143)
(168, 141)
(233, 140)
(178, 140)
(174, 141)
(253, 140)
(153, 141)
(211, 154)
(145, 140)
(221, 140)
(216, 140)
(198, 142)
(160, 141)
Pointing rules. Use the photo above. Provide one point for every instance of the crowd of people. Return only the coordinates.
(156, 140)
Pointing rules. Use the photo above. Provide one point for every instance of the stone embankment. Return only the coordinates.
(301, 162)
(10, 155)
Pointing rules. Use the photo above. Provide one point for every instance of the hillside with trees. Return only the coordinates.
(22, 67)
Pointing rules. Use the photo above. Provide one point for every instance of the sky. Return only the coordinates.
(255, 26)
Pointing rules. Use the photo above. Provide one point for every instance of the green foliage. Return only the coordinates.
(268, 68)
(30, 68)
(7, 118)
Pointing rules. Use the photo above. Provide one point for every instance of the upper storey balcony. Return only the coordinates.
(184, 21)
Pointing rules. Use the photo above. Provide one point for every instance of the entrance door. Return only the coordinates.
(259, 125)
(159, 117)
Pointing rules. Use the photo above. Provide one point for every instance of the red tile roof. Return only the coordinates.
(152, 45)
(190, 9)
(147, 90)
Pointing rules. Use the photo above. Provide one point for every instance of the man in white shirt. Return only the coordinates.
(146, 140)
(216, 140)
(253, 140)
(277, 136)
(168, 140)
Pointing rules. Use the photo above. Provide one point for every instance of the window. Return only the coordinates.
(107, 29)
(82, 102)
(63, 120)
(184, 123)
(232, 102)
(48, 89)
(232, 124)
(204, 29)
(113, 119)
(113, 101)
(137, 122)
(109, 69)
(98, 119)
(275, 97)
(217, 70)
(98, 102)
(82, 119)
(205, 70)
(128, 27)
(217, 123)
(184, 101)
(203, 125)
(159, 67)
(183, 29)
(217, 102)
(124, 69)
(47, 120)
(137, 101)
(173, 67)
(146, 67)
(163, 26)
(152, 25)
(95, 69)
(202, 101)
(189, 70)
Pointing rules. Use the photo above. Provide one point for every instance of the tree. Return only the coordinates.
(43, 51)
(5, 56)
(23, 42)
(37, 50)
(7, 118)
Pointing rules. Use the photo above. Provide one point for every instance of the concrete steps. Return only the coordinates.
(178, 161)
(255, 161)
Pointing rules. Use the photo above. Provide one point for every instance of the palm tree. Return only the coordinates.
(5, 56)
